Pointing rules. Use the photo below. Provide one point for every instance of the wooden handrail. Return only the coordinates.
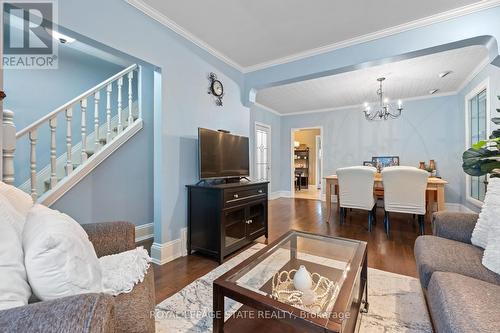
(74, 101)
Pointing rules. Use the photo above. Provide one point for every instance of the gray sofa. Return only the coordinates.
(92, 312)
(462, 295)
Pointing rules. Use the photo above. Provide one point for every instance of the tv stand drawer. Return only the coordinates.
(236, 196)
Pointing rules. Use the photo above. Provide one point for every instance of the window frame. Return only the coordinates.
(484, 85)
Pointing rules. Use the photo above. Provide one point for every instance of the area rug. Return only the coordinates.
(396, 303)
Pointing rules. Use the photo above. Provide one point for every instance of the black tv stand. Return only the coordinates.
(224, 217)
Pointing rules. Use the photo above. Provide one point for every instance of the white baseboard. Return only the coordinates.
(166, 252)
(143, 232)
(280, 194)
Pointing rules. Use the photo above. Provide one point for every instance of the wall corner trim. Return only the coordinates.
(144, 232)
(162, 253)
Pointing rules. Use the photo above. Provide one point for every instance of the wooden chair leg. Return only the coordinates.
(370, 220)
(421, 224)
(387, 223)
(341, 215)
(374, 211)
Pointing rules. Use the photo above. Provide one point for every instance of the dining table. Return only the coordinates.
(435, 194)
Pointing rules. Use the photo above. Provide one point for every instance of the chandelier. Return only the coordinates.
(384, 110)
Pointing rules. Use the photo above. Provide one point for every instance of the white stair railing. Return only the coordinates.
(51, 119)
(9, 146)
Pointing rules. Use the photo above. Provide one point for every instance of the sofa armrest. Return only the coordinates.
(92, 313)
(454, 225)
(111, 237)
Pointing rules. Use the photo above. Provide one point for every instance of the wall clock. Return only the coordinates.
(216, 89)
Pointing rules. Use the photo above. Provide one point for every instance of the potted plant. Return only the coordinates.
(484, 156)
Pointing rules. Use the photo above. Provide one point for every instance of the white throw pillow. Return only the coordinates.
(20, 200)
(491, 255)
(59, 258)
(488, 214)
(14, 288)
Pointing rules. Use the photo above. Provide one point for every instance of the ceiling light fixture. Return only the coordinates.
(384, 110)
(62, 38)
(433, 91)
(445, 73)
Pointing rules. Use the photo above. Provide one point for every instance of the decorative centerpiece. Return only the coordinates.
(310, 292)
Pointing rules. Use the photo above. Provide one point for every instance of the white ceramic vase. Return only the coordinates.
(302, 280)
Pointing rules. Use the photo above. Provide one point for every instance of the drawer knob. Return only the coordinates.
(236, 196)
(248, 221)
(260, 191)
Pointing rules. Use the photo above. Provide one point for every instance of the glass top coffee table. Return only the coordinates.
(328, 302)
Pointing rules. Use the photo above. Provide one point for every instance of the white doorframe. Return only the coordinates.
(319, 158)
(269, 154)
(292, 153)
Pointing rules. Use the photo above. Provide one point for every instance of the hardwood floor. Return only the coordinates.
(393, 254)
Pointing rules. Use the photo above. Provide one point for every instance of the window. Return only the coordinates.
(477, 128)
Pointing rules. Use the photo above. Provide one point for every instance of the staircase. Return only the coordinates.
(122, 121)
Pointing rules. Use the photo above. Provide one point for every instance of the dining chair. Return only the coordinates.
(404, 192)
(356, 191)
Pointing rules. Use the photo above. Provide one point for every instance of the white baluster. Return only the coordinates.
(83, 108)
(109, 89)
(120, 122)
(33, 139)
(53, 152)
(69, 161)
(9, 147)
(97, 145)
(130, 96)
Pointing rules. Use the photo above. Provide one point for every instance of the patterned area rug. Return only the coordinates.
(396, 303)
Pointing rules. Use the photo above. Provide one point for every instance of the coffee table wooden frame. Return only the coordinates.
(222, 287)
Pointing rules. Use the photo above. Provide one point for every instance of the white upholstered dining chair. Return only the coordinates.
(356, 191)
(404, 192)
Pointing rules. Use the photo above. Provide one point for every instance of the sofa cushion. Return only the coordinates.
(14, 288)
(460, 304)
(436, 254)
(60, 260)
(21, 201)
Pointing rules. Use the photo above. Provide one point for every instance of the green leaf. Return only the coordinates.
(496, 120)
(479, 144)
(478, 162)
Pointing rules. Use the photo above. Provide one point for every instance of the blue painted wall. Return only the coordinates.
(185, 103)
(121, 187)
(428, 129)
(260, 115)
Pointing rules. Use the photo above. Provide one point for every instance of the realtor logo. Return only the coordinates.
(27, 35)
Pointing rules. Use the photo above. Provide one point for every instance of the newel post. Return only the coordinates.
(9, 146)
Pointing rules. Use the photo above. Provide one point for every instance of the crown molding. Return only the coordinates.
(159, 17)
(444, 16)
(360, 106)
(429, 20)
(267, 108)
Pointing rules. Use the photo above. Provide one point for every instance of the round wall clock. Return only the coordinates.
(216, 89)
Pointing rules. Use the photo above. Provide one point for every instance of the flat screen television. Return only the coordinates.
(222, 155)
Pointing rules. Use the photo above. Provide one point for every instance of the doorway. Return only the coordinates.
(262, 150)
(306, 162)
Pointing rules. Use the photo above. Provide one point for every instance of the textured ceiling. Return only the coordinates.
(404, 79)
(257, 32)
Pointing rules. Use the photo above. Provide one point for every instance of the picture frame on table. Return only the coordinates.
(381, 162)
